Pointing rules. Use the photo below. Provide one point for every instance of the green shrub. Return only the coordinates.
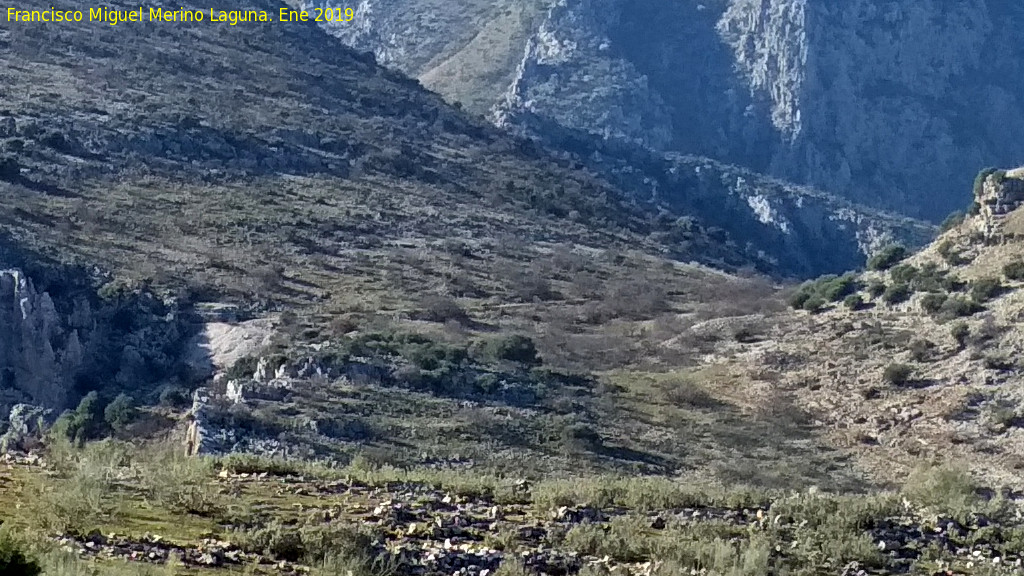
(979, 180)
(921, 350)
(174, 397)
(952, 221)
(580, 438)
(1014, 270)
(311, 543)
(985, 289)
(437, 308)
(243, 368)
(799, 298)
(121, 412)
(82, 498)
(512, 565)
(835, 289)
(14, 561)
(814, 304)
(178, 482)
(948, 489)
(897, 293)
(960, 332)
(932, 303)
(949, 254)
(876, 288)
(828, 288)
(84, 423)
(853, 302)
(903, 274)
(959, 307)
(887, 257)
(432, 355)
(514, 348)
(898, 374)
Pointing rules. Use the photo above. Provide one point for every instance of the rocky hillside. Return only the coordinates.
(917, 359)
(888, 104)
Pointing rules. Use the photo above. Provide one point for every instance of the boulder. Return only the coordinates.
(27, 425)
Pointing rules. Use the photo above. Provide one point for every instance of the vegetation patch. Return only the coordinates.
(887, 257)
(813, 295)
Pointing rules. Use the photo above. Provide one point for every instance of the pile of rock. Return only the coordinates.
(154, 550)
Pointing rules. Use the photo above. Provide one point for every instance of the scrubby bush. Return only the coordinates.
(514, 348)
(853, 302)
(81, 498)
(979, 180)
(244, 367)
(580, 438)
(442, 309)
(921, 350)
(1014, 270)
(178, 482)
(949, 254)
(797, 300)
(174, 397)
(929, 278)
(814, 304)
(813, 295)
(887, 257)
(898, 374)
(897, 293)
(903, 274)
(120, 413)
(948, 489)
(952, 221)
(314, 544)
(958, 307)
(431, 355)
(835, 289)
(985, 289)
(14, 561)
(876, 288)
(83, 423)
(932, 303)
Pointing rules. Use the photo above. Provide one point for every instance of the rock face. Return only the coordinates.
(893, 104)
(26, 427)
(58, 343)
(1000, 194)
(799, 229)
(39, 352)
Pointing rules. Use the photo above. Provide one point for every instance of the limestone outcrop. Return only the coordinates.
(1001, 193)
(40, 352)
(55, 349)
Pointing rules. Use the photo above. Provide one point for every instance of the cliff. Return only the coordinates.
(892, 104)
(59, 339)
(39, 353)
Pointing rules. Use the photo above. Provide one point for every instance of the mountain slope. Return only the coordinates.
(860, 99)
(917, 361)
(261, 171)
(160, 148)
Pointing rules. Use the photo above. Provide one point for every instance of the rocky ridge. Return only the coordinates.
(862, 99)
